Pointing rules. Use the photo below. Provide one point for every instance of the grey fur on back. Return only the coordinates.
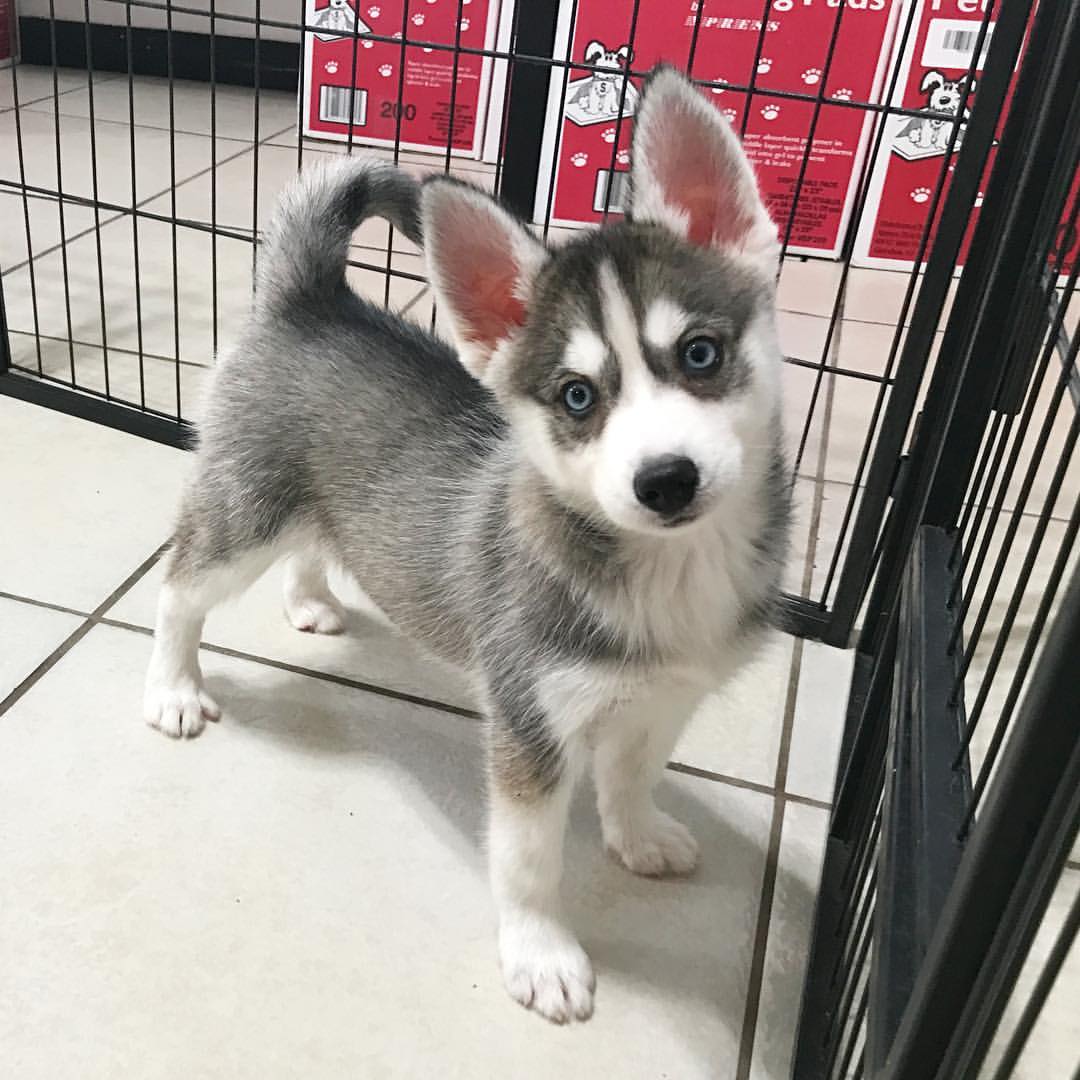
(333, 416)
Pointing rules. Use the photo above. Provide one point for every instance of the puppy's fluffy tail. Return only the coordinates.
(307, 243)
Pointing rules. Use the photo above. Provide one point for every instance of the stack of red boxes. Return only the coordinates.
(933, 72)
(587, 138)
(837, 53)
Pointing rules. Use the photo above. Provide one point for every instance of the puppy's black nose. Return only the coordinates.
(667, 484)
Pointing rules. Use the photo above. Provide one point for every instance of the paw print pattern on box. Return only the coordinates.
(725, 36)
(423, 74)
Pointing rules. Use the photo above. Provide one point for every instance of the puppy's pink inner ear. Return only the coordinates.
(481, 276)
(698, 178)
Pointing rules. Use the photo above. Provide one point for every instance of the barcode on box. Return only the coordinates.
(950, 43)
(334, 105)
(618, 182)
(960, 40)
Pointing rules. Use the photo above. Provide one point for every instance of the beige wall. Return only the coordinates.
(103, 11)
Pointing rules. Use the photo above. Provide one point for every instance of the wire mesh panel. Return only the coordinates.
(966, 702)
(148, 142)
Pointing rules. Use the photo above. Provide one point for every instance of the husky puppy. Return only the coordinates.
(585, 505)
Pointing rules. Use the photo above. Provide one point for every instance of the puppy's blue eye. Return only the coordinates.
(701, 355)
(578, 397)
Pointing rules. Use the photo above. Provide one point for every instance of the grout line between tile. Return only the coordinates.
(123, 213)
(156, 127)
(414, 301)
(755, 980)
(50, 96)
(891, 324)
(807, 800)
(747, 785)
(56, 247)
(248, 148)
(148, 127)
(113, 348)
(43, 604)
(314, 146)
(312, 673)
(158, 356)
(721, 778)
(80, 631)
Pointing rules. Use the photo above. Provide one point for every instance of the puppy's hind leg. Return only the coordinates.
(310, 604)
(202, 569)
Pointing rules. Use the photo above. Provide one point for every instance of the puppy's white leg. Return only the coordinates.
(632, 748)
(310, 604)
(174, 701)
(543, 965)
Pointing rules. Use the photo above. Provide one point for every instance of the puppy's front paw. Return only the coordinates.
(178, 710)
(545, 969)
(653, 845)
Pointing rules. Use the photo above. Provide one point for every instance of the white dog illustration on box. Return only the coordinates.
(603, 94)
(596, 97)
(927, 136)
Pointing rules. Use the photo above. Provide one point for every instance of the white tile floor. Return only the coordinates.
(305, 883)
(306, 880)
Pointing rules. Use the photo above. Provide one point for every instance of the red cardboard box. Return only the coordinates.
(586, 146)
(425, 86)
(933, 66)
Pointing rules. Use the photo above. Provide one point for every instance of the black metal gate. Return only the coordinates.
(959, 793)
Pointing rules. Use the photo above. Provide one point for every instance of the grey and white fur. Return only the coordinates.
(585, 504)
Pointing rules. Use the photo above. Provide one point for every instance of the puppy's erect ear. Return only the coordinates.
(625, 53)
(481, 263)
(690, 173)
(930, 80)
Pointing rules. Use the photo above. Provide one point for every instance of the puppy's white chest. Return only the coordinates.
(684, 606)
